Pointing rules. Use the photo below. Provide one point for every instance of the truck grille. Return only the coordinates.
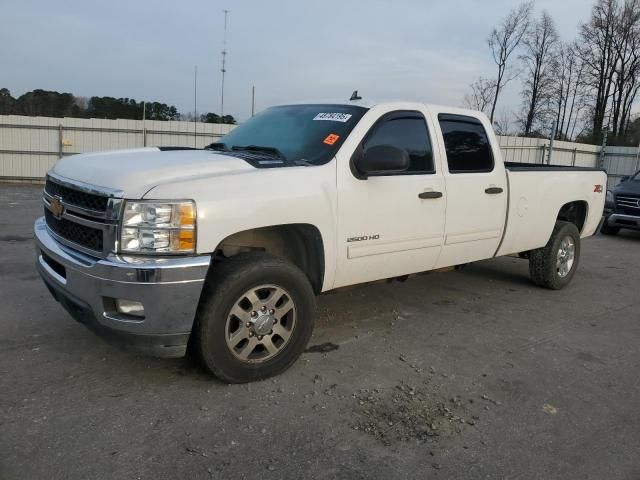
(86, 237)
(627, 204)
(79, 198)
(82, 217)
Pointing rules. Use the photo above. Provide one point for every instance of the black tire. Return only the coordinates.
(542, 261)
(607, 230)
(227, 282)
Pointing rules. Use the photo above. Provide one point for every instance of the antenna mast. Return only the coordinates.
(224, 62)
(195, 104)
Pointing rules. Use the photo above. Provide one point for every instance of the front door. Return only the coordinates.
(391, 225)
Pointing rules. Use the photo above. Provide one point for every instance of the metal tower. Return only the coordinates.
(224, 62)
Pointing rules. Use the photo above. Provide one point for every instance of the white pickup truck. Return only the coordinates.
(225, 248)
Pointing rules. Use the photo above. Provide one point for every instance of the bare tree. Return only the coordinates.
(610, 52)
(539, 51)
(189, 117)
(626, 43)
(568, 94)
(599, 57)
(81, 102)
(481, 96)
(503, 41)
(502, 124)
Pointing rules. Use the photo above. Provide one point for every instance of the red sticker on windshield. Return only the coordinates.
(331, 139)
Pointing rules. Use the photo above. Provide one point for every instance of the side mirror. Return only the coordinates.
(382, 160)
(624, 178)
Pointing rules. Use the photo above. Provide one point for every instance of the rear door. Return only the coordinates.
(476, 187)
(391, 225)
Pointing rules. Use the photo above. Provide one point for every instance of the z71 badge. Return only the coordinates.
(363, 238)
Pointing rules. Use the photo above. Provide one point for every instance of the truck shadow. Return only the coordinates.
(511, 272)
(625, 235)
(370, 309)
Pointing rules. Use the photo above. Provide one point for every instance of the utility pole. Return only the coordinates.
(554, 132)
(144, 118)
(253, 101)
(603, 148)
(195, 104)
(224, 62)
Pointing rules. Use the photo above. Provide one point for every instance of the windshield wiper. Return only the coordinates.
(217, 146)
(303, 163)
(259, 149)
(270, 151)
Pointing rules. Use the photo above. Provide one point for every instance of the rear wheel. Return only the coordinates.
(554, 265)
(255, 318)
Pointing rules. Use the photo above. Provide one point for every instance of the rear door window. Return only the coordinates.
(466, 143)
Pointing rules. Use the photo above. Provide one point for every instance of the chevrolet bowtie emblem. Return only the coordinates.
(56, 207)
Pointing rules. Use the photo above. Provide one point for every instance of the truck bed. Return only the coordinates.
(537, 167)
(536, 199)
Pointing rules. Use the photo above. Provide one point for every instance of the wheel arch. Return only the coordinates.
(300, 243)
(574, 212)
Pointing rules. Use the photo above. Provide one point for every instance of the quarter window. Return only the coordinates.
(408, 131)
(466, 143)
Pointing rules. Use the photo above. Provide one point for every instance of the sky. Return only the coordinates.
(290, 50)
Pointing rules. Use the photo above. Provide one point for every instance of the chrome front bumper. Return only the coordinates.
(623, 221)
(169, 289)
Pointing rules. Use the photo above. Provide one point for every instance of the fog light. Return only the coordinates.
(129, 307)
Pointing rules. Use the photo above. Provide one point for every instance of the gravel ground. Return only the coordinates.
(469, 374)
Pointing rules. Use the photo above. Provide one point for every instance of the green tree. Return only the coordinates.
(211, 117)
(53, 104)
(7, 102)
(113, 108)
(161, 111)
(45, 103)
(228, 119)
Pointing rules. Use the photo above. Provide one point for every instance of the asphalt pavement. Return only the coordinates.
(471, 374)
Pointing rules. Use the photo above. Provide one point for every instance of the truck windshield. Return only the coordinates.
(301, 134)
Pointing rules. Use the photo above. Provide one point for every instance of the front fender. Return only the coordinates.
(233, 203)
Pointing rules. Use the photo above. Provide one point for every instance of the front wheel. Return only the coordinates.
(255, 318)
(554, 265)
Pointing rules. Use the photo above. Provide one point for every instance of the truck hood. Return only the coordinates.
(136, 171)
(628, 188)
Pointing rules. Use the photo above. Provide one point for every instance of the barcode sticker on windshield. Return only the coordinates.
(333, 117)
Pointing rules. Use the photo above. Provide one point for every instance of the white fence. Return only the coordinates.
(30, 146)
(536, 150)
(617, 161)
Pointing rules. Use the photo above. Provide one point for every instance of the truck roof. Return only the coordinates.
(399, 104)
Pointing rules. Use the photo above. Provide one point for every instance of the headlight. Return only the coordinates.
(609, 197)
(158, 227)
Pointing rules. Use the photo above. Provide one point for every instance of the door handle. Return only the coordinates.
(493, 190)
(425, 195)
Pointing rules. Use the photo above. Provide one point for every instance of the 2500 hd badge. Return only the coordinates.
(363, 238)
